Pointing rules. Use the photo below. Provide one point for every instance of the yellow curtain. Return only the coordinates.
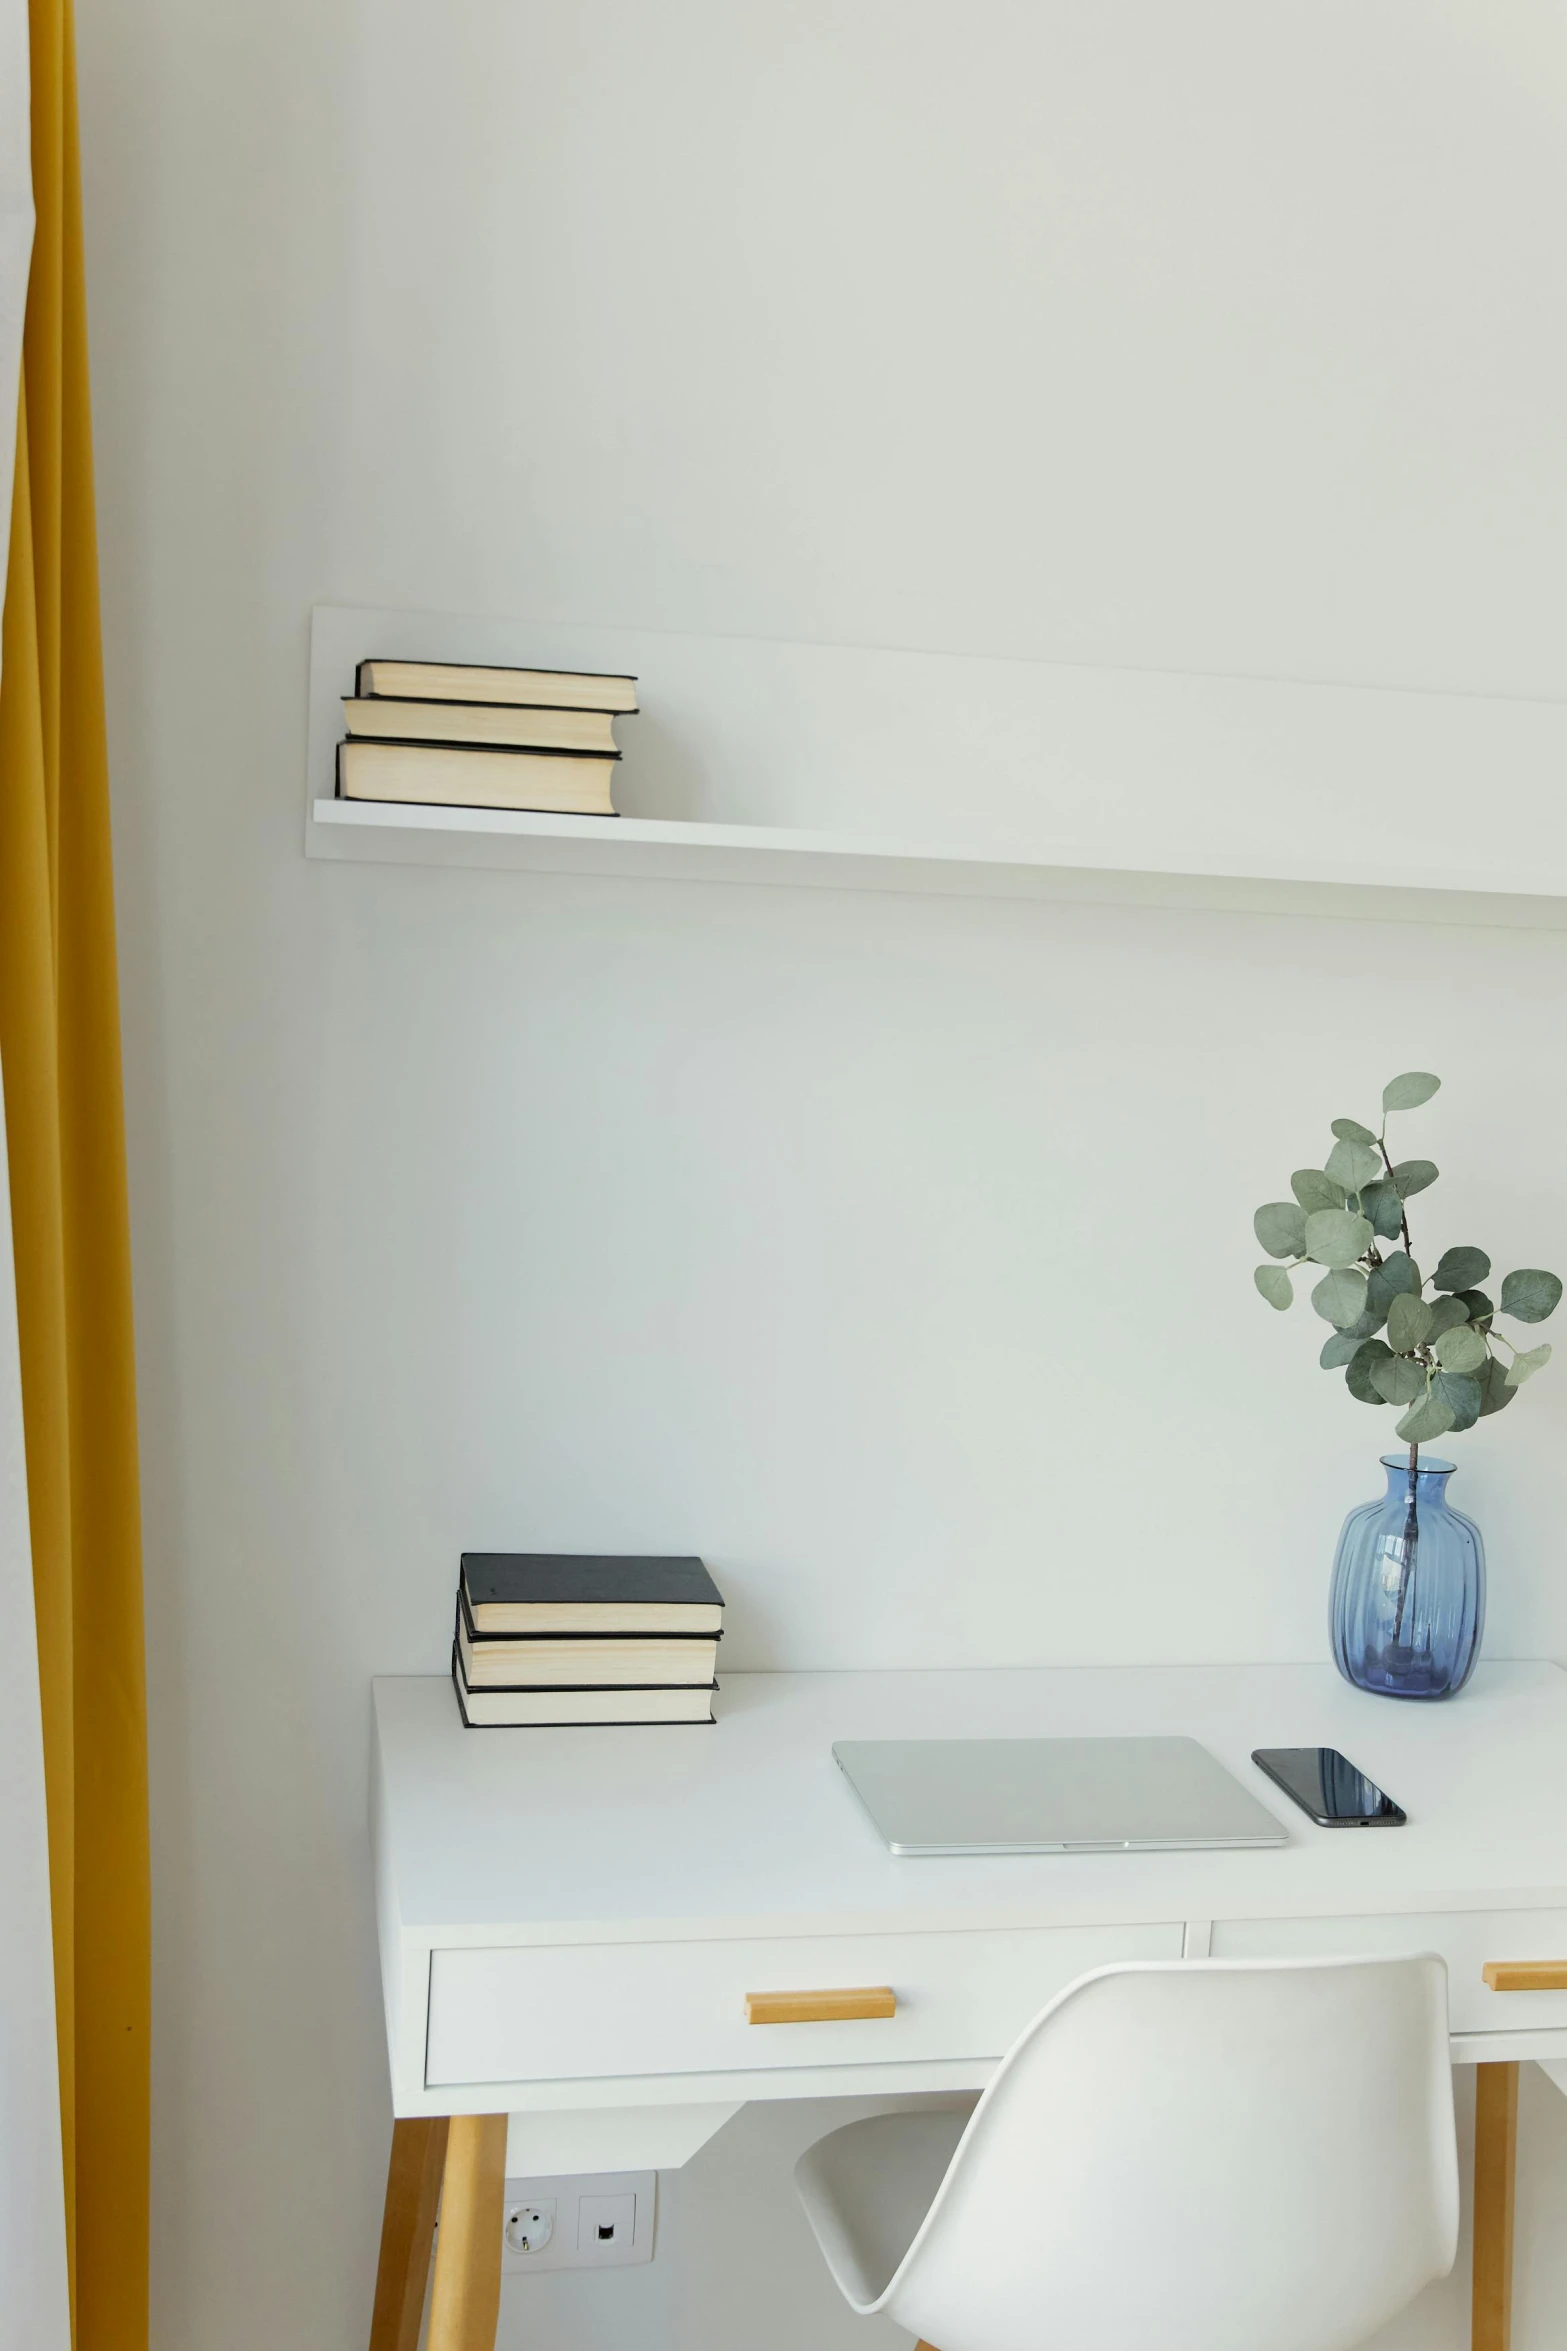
(60, 1054)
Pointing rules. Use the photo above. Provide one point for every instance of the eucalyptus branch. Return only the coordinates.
(1435, 1364)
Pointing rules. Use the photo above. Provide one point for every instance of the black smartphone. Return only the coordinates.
(1326, 1785)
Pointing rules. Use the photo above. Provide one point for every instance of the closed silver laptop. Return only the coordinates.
(934, 1796)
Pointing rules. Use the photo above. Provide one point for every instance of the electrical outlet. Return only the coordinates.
(530, 2226)
(597, 2220)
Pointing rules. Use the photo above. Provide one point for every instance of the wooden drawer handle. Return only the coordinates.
(820, 2007)
(1526, 1975)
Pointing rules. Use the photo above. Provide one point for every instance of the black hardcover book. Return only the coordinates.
(495, 682)
(584, 1661)
(469, 775)
(568, 1592)
(577, 1709)
(587, 1632)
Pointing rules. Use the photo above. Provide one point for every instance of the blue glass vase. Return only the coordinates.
(1408, 1603)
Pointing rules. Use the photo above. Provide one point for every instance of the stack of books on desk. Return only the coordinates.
(473, 737)
(550, 1638)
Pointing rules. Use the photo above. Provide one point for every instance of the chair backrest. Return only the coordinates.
(1204, 2155)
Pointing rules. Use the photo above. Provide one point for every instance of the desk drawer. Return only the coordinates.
(1466, 1940)
(568, 2012)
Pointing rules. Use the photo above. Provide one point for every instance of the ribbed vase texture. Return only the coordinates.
(1408, 1602)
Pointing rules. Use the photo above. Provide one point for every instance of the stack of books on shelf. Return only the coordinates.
(544, 1638)
(474, 737)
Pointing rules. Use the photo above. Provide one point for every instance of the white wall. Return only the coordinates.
(34, 2281)
(893, 1252)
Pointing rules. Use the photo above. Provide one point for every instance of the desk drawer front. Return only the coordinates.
(576, 2011)
(1466, 1940)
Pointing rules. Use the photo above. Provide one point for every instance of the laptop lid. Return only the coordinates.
(934, 1796)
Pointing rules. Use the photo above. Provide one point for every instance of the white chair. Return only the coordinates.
(1199, 2155)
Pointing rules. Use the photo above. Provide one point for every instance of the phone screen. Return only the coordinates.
(1326, 1785)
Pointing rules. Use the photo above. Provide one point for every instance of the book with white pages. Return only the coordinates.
(595, 1663)
(502, 726)
(563, 1709)
(446, 775)
(448, 681)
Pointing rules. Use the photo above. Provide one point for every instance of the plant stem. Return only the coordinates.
(1403, 1213)
(1411, 1541)
(1411, 1515)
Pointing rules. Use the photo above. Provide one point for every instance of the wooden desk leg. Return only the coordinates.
(413, 2190)
(1496, 2155)
(466, 2301)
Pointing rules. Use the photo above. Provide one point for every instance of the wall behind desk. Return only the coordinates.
(893, 1252)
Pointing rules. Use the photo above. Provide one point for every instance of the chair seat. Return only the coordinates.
(867, 2187)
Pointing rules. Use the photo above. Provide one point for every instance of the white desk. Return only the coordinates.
(570, 1920)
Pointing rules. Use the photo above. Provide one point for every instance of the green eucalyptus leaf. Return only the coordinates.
(1461, 1394)
(1281, 1228)
(1335, 1236)
(1340, 1297)
(1462, 1349)
(1529, 1295)
(1398, 1379)
(1414, 1175)
(1275, 1285)
(1408, 1320)
(1382, 1204)
(1410, 1090)
(1350, 1130)
(1391, 1279)
(1446, 1315)
(1314, 1190)
(1495, 1394)
(1460, 1269)
(1476, 1305)
(1337, 1350)
(1525, 1366)
(1353, 1165)
(1357, 1376)
(1431, 1417)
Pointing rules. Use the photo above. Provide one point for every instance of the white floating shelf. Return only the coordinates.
(958, 775)
(641, 846)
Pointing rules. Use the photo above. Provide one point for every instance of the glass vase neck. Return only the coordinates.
(1431, 1473)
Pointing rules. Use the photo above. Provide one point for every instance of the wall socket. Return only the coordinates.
(596, 2220)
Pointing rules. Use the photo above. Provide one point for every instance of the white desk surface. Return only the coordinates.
(540, 1836)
